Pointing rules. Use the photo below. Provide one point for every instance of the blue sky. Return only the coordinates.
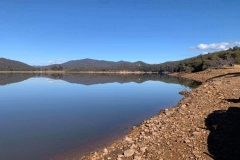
(41, 32)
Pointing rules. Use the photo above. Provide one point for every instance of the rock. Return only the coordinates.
(183, 106)
(128, 139)
(105, 150)
(187, 141)
(137, 158)
(143, 149)
(120, 156)
(129, 152)
(184, 93)
(133, 146)
(196, 133)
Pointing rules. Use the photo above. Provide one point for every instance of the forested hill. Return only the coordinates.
(11, 65)
(201, 62)
(98, 65)
(91, 63)
(195, 64)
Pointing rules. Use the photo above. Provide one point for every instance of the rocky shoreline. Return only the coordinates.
(185, 131)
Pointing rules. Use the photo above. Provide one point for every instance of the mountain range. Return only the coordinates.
(91, 63)
(194, 64)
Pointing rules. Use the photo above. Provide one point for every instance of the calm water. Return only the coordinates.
(46, 115)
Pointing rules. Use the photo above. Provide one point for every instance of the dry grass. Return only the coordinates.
(232, 67)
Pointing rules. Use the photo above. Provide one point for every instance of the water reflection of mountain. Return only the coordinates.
(91, 79)
(7, 78)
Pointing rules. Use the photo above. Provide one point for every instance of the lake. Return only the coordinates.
(51, 116)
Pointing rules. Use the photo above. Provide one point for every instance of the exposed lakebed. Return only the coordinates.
(42, 116)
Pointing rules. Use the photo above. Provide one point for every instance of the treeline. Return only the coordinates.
(207, 61)
(195, 64)
(201, 62)
(91, 79)
(117, 68)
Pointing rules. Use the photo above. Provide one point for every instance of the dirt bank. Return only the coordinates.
(207, 74)
(203, 125)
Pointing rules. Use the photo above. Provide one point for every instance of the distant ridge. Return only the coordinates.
(11, 65)
(194, 64)
(226, 58)
(94, 64)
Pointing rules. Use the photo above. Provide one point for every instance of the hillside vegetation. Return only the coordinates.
(99, 65)
(195, 64)
(202, 62)
(11, 65)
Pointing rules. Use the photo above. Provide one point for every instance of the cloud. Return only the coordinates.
(214, 46)
(49, 80)
(61, 59)
(204, 52)
(58, 61)
(237, 42)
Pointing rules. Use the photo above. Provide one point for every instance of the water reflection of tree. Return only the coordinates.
(8, 78)
(57, 76)
(91, 79)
